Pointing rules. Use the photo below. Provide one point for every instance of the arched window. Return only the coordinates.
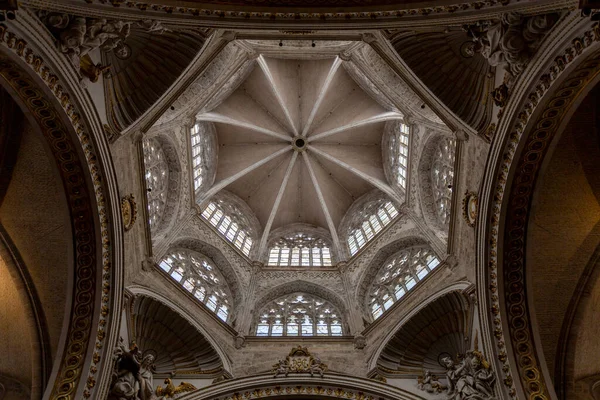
(228, 225)
(374, 221)
(157, 180)
(200, 145)
(442, 178)
(299, 314)
(197, 274)
(300, 249)
(399, 274)
(398, 153)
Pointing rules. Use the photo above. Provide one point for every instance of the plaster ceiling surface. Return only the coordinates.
(299, 141)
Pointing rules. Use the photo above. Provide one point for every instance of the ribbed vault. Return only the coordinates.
(437, 330)
(178, 346)
(442, 61)
(156, 60)
(299, 141)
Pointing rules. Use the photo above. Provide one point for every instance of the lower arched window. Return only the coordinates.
(299, 314)
(398, 275)
(197, 274)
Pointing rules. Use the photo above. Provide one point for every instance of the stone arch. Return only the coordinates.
(304, 287)
(565, 70)
(303, 386)
(60, 108)
(456, 287)
(156, 327)
(142, 291)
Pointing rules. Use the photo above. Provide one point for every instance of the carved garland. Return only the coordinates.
(71, 168)
(545, 127)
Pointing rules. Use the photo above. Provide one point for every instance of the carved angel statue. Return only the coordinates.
(282, 367)
(316, 366)
(170, 391)
(430, 383)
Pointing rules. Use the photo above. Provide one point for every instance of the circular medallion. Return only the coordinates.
(128, 211)
(470, 207)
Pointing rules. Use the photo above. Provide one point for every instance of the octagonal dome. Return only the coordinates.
(299, 141)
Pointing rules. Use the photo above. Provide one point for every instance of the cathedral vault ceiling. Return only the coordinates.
(300, 141)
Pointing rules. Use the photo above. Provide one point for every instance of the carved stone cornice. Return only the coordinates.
(300, 15)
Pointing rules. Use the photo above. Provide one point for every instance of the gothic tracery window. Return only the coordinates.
(399, 274)
(198, 157)
(398, 151)
(442, 177)
(299, 314)
(197, 274)
(300, 249)
(228, 225)
(375, 219)
(157, 180)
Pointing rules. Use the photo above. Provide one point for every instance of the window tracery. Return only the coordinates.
(224, 219)
(399, 274)
(300, 249)
(197, 274)
(157, 180)
(299, 314)
(442, 178)
(398, 153)
(199, 159)
(376, 216)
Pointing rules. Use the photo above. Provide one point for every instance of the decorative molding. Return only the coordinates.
(373, 15)
(516, 328)
(332, 385)
(299, 360)
(470, 208)
(128, 211)
(81, 326)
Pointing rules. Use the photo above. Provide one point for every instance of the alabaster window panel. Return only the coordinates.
(376, 216)
(299, 314)
(200, 141)
(300, 250)
(398, 153)
(157, 180)
(398, 275)
(199, 276)
(224, 219)
(442, 178)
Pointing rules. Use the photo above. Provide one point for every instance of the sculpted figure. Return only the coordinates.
(470, 379)
(282, 367)
(124, 385)
(145, 378)
(430, 383)
(132, 379)
(510, 41)
(77, 36)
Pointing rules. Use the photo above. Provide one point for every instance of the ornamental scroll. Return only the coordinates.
(299, 360)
